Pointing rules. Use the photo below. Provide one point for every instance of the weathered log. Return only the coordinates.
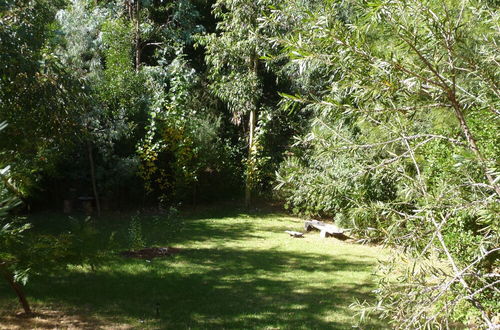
(323, 227)
(294, 233)
(326, 229)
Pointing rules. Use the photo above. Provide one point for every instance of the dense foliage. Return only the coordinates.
(381, 116)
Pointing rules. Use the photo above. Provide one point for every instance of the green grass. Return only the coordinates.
(236, 270)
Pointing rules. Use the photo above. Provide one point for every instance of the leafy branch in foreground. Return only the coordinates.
(402, 148)
(10, 235)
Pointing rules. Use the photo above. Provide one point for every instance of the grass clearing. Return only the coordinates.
(236, 270)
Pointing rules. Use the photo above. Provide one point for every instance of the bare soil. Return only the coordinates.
(54, 319)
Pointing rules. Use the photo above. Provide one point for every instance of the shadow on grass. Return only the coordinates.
(199, 225)
(218, 287)
(224, 225)
(200, 230)
(226, 288)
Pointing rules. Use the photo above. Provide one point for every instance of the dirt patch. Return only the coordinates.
(150, 253)
(54, 319)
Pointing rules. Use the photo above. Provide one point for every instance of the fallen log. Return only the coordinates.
(326, 229)
(320, 225)
(294, 233)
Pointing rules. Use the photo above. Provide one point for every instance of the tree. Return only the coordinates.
(38, 97)
(407, 83)
(98, 44)
(233, 55)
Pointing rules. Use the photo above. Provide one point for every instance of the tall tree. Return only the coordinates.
(235, 69)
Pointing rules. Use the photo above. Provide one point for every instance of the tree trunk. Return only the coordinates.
(93, 179)
(137, 37)
(11, 188)
(250, 165)
(9, 277)
(254, 62)
(130, 11)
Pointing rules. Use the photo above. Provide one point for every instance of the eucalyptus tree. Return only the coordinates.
(411, 97)
(233, 55)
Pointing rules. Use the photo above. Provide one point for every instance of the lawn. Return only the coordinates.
(235, 270)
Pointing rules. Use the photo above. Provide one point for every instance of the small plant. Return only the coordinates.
(175, 223)
(168, 225)
(172, 213)
(88, 243)
(136, 238)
